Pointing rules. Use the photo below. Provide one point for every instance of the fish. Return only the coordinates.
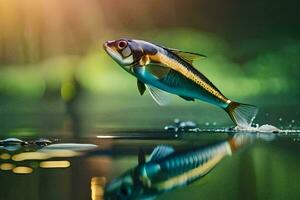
(164, 70)
(165, 169)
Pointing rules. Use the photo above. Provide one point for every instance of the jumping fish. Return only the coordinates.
(162, 70)
(165, 169)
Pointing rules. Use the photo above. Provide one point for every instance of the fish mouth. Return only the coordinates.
(108, 49)
(108, 43)
(112, 53)
(105, 46)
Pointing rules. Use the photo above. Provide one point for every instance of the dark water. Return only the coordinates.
(268, 168)
(262, 170)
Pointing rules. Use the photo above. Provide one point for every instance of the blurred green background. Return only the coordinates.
(55, 76)
(56, 81)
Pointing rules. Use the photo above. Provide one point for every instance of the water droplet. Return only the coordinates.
(293, 121)
(280, 119)
(42, 142)
(176, 121)
(268, 129)
(214, 123)
(170, 128)
(206, 123)
(187, 125)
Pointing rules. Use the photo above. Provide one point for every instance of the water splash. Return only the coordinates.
(190, 126)
(180, 125)
(266, 128)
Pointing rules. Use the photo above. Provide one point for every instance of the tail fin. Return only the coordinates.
(242, 114)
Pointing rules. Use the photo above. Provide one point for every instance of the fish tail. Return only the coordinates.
(241, 114)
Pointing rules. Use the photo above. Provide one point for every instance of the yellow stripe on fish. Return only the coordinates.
(175, 65)
(184, 178)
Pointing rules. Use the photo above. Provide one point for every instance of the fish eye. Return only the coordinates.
(122, 44)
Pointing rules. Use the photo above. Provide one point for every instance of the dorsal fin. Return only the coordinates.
(187, 56)
(161, 151)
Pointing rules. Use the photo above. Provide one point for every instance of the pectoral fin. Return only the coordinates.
(160, 97)
(141, 87)
(187, 98)
(157, 70)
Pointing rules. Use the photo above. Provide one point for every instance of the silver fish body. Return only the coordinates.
(162, 69)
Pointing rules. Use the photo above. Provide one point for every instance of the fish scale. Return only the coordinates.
(190, 160)
(198, 77)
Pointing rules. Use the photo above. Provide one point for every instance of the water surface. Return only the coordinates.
(266, 169)
(263, 170)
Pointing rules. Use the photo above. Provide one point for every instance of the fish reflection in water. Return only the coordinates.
(166, 169)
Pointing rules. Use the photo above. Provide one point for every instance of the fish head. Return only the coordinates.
(125, 52)
(123, 187)
(129, 186)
